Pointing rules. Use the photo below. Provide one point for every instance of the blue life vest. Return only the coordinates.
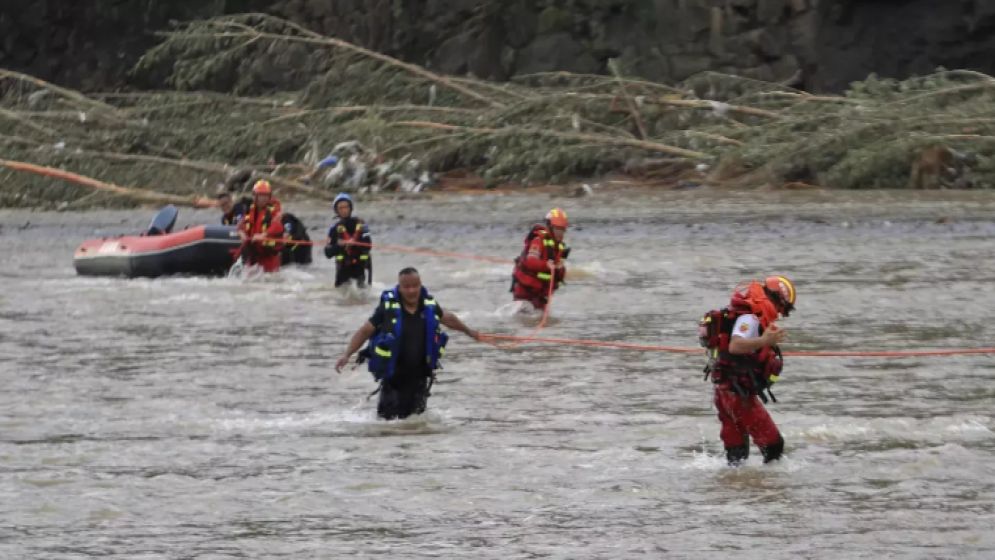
(384, 347)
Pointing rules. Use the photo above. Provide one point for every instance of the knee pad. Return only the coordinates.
(738, 454)
(773, 451)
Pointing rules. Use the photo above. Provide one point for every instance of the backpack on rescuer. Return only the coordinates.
(534, 280)
(749, 373)
(711, 335)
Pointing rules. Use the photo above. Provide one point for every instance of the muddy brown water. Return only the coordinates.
(201, 418)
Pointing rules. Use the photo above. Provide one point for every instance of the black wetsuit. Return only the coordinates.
(407, 392)
(238, 210)
(351, 263)
(294, 253)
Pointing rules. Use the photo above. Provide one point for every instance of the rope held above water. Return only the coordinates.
(512, 341)
(693, 350)
(415, 250)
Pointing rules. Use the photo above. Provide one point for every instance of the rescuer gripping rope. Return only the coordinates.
(690, 350)
(416, 251)
(513, 341)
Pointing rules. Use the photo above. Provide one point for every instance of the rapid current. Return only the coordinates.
(190, 417)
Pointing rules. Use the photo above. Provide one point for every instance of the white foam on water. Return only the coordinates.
(299, 273)
(477, 272)
(703, 461)
(592, 270)
(833, 432)
(360, 419)
(970, 426)
(936, 430)
(517, 308)
(352, 294)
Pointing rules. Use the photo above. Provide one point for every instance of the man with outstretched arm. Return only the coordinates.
(406, 342)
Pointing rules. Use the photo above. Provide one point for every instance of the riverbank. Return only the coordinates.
(381, 124)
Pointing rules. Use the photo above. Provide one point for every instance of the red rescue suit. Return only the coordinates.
(532, 276)
(740, 380)
(265, 220)
(743, 417)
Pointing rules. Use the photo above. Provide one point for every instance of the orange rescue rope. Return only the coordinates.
(403, 249)
(689, 350)
(519, 340)
(415, 250)
(514, 341)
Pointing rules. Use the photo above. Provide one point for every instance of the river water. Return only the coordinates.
(202, 418)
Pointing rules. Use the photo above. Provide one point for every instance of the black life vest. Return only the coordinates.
(238, 210)
(297, 253)
(349, 229)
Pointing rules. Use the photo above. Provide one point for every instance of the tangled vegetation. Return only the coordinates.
(254, 91)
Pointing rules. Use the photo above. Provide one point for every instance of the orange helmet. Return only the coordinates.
(262, 187)
(557, 218)
(782, 292)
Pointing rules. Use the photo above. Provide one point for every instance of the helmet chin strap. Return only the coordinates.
(783, 307)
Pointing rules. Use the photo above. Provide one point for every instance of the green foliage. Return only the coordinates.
(251, 88)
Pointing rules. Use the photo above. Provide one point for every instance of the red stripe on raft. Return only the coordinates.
(130, 245)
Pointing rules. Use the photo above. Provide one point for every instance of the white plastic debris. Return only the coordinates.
(719, 108)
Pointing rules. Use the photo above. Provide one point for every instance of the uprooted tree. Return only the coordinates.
(254, 91)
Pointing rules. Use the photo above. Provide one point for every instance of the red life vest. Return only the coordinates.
(744, 373)
(268, 222)
(549, 250)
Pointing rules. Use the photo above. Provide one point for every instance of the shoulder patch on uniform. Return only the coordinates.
(744, 327)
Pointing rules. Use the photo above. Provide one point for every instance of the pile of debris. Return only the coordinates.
(365, 122)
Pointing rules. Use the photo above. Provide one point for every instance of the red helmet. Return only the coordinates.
(262, 186)
(557, 218)
(782, 292)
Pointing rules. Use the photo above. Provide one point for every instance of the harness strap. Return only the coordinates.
(375, 391)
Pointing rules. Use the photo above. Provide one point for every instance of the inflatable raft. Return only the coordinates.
(200, 250)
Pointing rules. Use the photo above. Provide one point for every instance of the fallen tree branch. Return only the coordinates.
(75, 95)
(206, 95)
(210, 167)
(633, 110)
(578, 136)
(564, 74)
(362, 109)
(714, 137)
(986, 84)
(716, 106)
(310, 37)
(129, 192)
(13, 115)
